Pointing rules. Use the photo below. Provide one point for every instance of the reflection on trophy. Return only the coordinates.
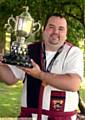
(16, 52)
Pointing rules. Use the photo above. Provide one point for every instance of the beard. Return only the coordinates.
(54, 39)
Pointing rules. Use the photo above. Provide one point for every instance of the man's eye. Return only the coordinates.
(51, 27)
(61, 29)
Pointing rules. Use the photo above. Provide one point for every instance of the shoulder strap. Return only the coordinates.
(33, 84)
(67, 53)
(34, 51)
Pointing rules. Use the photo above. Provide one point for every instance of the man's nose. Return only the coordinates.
(56, 30)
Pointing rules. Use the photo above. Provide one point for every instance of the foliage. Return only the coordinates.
(39, 9)
(75, 31)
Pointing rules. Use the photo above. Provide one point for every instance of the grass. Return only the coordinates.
(10, 97)
(82, 90)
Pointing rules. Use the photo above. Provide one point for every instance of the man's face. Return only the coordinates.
(55, 31)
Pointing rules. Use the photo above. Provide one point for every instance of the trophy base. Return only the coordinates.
(29, 65)
(23, 61)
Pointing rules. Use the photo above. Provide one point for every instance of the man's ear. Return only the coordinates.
(66, 38)
(42, 28)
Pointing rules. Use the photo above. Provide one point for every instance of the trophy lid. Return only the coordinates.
(26, 14)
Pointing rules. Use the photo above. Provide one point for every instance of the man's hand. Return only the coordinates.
(34, 71)
(6, 75)
(1, 59)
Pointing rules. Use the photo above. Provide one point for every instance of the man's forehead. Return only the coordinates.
(57, 20)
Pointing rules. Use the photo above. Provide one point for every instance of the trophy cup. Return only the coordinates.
(22, 27)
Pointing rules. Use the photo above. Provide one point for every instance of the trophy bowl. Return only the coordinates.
(16, 51)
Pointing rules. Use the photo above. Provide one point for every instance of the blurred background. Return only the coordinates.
(39, 9)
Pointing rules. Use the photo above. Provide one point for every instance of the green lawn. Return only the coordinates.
(82, 90)
(10, 97)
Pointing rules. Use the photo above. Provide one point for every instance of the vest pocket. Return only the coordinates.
(57, 101)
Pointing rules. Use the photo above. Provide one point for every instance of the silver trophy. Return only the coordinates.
(16, 52)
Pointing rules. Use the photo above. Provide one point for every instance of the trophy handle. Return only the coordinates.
(10, 23)
(11, 18)
(36, 27)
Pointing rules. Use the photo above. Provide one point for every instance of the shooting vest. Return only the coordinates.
(35, 90)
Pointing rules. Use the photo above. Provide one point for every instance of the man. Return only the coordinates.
(51, 85)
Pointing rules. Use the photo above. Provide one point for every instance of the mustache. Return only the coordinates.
(54, 34)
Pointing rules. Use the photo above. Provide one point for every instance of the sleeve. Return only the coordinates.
(20, 74)
(74, 62)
